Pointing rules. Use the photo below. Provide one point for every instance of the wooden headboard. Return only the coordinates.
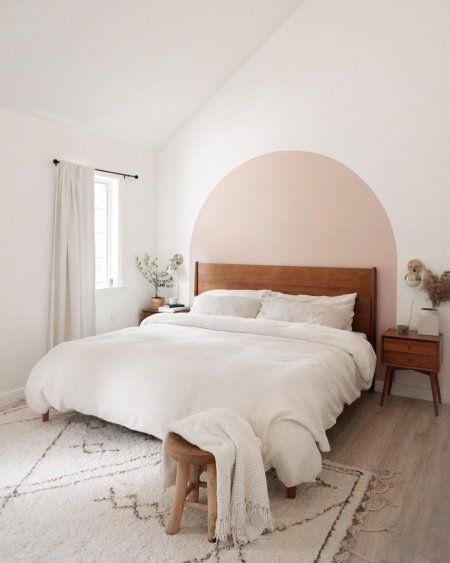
(299, 279)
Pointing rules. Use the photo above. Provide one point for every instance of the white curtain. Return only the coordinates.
(72, 298)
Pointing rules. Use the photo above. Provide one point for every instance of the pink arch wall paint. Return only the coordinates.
(299, 208)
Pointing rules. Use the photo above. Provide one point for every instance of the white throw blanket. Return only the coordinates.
(243, 509)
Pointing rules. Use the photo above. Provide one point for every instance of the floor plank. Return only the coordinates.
(406, 436)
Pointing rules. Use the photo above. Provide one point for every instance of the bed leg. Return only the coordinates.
(45, 416)
(290, 492)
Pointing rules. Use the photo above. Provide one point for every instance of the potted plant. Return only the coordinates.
(438, 290)
(149, 268)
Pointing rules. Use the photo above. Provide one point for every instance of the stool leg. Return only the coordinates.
(173, 526)
(212, 500)
(194, 477)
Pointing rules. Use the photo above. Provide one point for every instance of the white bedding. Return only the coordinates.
(289, 380)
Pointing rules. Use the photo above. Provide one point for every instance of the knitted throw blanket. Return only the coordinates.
(243, 509)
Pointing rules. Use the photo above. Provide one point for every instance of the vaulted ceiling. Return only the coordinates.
(136, 70)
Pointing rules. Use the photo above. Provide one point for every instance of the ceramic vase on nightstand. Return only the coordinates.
(428, 322)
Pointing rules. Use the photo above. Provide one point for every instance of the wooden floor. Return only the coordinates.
(403, 435)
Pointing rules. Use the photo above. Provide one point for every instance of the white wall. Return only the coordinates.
(365, 83)
(27, 148)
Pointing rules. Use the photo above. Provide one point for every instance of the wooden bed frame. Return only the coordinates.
(299, 279)
(296, 280)
(309, 280)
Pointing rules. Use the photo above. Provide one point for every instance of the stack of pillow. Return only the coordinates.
(334, 312)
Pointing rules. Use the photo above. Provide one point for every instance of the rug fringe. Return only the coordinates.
(383, 529)
(388, 473)
(364, 508)
(385, 489)
(383, 505)
(356, 554)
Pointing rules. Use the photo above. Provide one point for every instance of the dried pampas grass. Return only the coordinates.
(437, 287)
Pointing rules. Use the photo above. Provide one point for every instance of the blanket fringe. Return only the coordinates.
(241, 514)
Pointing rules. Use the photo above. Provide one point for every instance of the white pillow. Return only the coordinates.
(230, 306)
(254, 293)
(312, 311)
(342, 302)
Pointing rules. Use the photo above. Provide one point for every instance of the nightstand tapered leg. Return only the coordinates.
(434, 392)
(391, 380)
(438, 388)
(387, 379)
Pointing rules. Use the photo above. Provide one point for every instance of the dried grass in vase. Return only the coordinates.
(437, 287)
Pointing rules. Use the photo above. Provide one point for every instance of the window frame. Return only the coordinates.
(113, 233)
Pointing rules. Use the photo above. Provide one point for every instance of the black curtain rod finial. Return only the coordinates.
(135, 176)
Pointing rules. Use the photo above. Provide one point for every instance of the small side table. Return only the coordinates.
(146, 313)
(412, 351)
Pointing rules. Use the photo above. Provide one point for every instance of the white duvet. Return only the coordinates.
(289, 380)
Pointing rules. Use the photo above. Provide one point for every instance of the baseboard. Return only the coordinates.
(412, 391)
(9, 397)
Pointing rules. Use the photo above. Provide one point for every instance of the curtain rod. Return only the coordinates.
(56, 162)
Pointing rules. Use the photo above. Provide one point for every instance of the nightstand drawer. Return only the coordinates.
(423, 361)
(410, 346)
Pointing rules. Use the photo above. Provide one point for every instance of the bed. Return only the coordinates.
(290, 380)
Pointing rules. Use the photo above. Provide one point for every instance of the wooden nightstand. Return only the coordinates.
(412, 351)
(148, 312)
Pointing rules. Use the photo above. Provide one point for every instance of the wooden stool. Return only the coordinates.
(190, 461)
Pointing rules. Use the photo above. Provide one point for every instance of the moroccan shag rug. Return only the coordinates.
(81, 489)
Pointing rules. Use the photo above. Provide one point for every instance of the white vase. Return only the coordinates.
(428, 322)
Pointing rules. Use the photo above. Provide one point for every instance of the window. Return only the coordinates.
(106, 205)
